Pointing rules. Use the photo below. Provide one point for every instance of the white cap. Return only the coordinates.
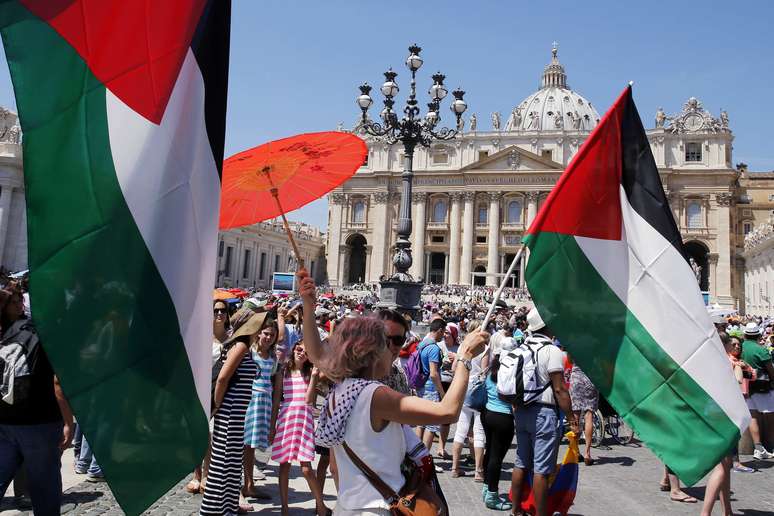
(534, 321)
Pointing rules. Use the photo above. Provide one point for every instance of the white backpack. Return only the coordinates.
(518, 381)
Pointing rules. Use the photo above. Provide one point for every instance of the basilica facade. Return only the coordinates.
(475, 196)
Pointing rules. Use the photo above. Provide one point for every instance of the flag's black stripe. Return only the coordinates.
(640, 177)
(210, 46)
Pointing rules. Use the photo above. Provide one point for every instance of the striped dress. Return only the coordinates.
(221, 492)
(259, 411)
(294, 438)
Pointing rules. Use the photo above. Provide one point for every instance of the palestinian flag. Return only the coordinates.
(122, 105)
(609, 277)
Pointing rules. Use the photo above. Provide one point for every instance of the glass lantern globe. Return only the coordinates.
(437, 92)
(459, 106)
(390, 89)
(414, 62)
(364, 101)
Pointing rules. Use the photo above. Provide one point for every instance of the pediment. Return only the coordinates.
(513, 158)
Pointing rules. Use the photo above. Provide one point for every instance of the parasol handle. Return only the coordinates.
(500, 290)
(275, 194)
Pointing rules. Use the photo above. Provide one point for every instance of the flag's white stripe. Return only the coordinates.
(658, 286)
(170, 182)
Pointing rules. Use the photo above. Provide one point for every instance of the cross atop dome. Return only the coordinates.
(553, 73)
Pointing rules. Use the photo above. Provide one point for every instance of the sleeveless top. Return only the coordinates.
(355, 491)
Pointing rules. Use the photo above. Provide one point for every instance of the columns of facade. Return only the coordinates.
(418, 252)
(723, 276)
(522, 270)
(426, 265)
(453, 275)
(446, 268)
(377, 220)
(532, 200)
(334, 260)
(494, 238)
(369, 256)
(468, 230)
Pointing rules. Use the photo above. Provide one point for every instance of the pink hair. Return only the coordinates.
(354, 348)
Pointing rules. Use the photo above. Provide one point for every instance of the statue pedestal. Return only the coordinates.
(403, 296)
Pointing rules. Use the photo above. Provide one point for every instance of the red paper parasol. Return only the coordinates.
(284, 175)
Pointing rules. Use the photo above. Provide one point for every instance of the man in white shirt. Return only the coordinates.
(538, 425)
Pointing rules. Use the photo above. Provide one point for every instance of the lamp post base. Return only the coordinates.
(403, 296)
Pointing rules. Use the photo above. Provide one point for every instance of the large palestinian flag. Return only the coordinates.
(122, 105)
(608, 275)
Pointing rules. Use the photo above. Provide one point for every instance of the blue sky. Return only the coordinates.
(295, 66)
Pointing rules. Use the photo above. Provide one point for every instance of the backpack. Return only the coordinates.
(19, 352)
(518, 381)
(415, 373)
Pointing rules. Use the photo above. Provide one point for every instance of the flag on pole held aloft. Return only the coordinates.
(608, 275)
(122, 105)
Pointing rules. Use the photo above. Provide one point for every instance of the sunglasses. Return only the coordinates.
(220, 311)
(395, 340)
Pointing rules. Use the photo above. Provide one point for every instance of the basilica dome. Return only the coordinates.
(555, 107)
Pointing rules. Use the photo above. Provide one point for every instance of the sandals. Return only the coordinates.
(684, 499)
(193, 487)
(456, 473)
(479, 476)
(588, 461)
(664, 488)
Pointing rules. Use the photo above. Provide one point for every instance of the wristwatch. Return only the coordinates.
(466, 361)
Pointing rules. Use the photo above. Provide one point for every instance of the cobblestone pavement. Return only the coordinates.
(624, 481)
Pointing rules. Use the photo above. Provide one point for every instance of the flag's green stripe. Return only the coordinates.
(669, 410)
(104, 315)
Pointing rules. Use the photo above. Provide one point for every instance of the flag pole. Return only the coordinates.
(500, 290)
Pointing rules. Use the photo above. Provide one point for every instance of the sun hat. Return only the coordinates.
(250, 326)
(752, 329)
(534, 321)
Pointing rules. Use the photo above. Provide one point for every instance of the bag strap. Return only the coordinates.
(389, 495)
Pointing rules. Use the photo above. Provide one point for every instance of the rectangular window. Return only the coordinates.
(482, 154)
(221, 243)
(277, 263)
(747, 227)
(440, 158)
(262, 267)
(547, 153)
(229, 256)
(246, 264)
(694, 215)
(693, 151)
(481, 239)
(311, 268)
(437, 239)
(482, 214)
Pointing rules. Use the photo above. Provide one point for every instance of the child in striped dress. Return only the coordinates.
(258, 417)
(292, 437)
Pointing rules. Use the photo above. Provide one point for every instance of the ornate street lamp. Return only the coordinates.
(400, 290)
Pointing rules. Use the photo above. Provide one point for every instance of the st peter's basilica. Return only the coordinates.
(475, 196)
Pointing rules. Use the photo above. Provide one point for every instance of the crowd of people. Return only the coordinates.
(334, 379)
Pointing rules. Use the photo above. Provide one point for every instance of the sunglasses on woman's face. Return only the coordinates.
(395, 340)
(220, 311)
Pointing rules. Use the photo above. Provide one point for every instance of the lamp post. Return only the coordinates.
(400, 290)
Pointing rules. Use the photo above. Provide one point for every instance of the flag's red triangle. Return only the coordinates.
(136, 48)
(586, 199)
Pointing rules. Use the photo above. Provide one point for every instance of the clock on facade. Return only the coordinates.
(693, 122)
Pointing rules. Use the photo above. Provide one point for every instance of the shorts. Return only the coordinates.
(538, 434)
(762, 402)
(430, 396)
(322, 451)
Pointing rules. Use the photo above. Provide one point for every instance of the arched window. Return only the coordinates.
(439, 211)
(358, 212)
(693, 215)
(514, 212)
